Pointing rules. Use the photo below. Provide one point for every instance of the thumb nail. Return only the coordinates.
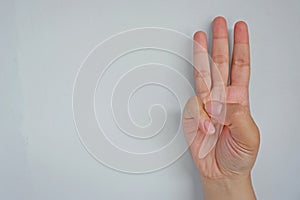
(209, 127)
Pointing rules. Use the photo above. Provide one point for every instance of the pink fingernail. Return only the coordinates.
(209, 127)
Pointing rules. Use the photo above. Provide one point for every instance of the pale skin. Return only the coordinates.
(226, 170)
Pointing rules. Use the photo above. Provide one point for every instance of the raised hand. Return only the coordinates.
(228, 163)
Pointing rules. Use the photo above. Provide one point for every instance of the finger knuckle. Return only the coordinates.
(201, 73)
(220, 59)
(241, 62)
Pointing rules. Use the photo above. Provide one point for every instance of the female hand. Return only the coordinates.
(226, 170)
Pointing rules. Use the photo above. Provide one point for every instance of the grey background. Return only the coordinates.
(42, 44)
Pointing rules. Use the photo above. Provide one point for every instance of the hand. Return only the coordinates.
(227, 167)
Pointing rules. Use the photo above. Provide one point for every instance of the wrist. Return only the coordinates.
(239, 187)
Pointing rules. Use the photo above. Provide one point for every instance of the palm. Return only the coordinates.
(224, 158)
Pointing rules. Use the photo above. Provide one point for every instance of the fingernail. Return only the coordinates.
(214, 108)
(209, 127)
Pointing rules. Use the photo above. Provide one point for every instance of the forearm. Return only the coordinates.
(228, 189)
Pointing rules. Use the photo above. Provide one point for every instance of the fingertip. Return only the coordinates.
(199, 35)
(242, 25)
(219, 19)
(241, 32)
(220, 27)
(200, 39)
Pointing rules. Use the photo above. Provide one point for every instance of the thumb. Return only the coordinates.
(237, 118)
(196, 125)
(194, 115)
